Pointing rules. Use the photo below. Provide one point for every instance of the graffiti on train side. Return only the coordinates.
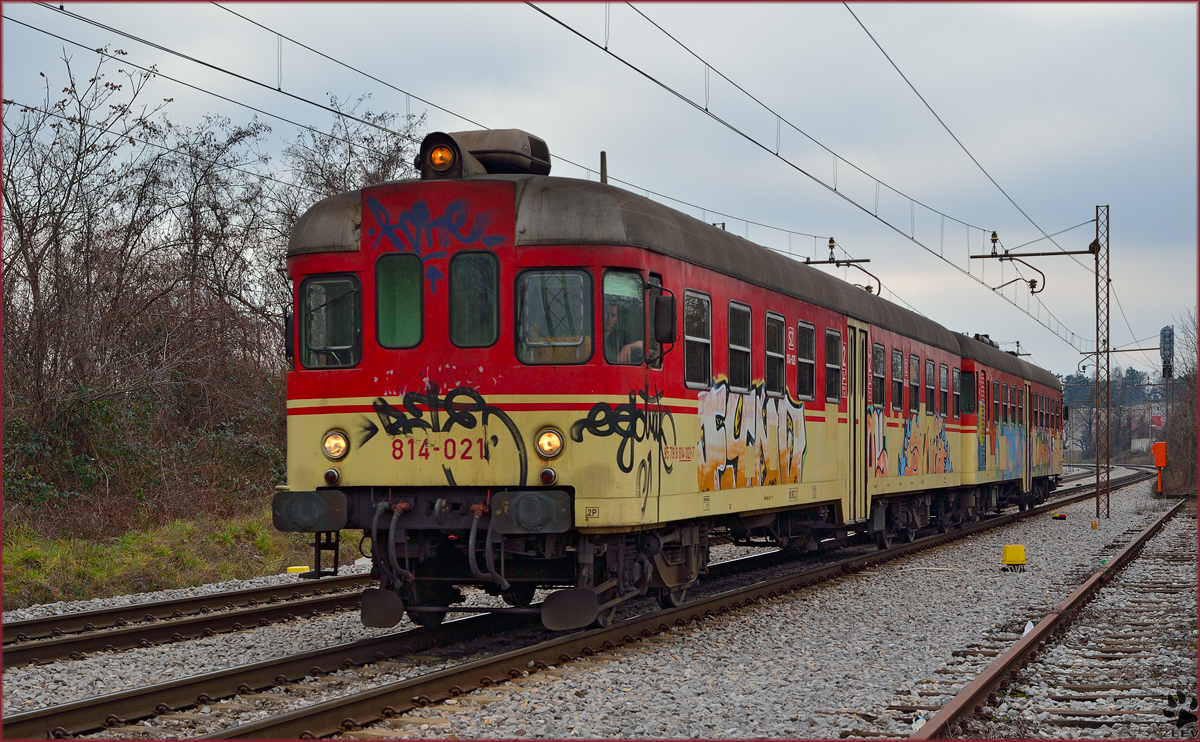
(748, 439)
(429, 236)
(1009, 444)
(1041, 453)
(643, 418)
(877, 440)
(925, 449)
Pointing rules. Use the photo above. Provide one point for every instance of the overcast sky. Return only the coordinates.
(1066, 106)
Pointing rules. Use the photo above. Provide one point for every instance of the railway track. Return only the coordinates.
(299, 678)
(71, 635)
(389, 662)
(1101, 658)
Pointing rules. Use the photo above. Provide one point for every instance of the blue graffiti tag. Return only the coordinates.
(428, 236)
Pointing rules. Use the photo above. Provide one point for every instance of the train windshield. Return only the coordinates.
(554, 317)
(331, 312)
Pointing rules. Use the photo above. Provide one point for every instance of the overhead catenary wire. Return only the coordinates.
(947, 128)
(587, 170)
(329, 109)
(875, 211)
(172, 150)
(1057, 331)
(984, 170)
(197, 88)
(218, 68)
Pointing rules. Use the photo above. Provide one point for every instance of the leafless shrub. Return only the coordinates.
(144, 374)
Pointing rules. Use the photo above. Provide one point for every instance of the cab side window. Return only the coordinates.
(624, 318)
(330, 321)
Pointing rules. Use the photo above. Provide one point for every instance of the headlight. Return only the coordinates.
(336, 445)
(549, 443)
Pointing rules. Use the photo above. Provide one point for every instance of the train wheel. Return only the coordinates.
(908, 535)
(432, 594)
(521, 595)
(883, 541)
(672, 597)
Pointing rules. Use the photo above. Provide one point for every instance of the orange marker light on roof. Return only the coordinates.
(441, 158)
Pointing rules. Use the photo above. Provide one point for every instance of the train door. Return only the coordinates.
(857, 371)
(983, 401)
(1026, 423)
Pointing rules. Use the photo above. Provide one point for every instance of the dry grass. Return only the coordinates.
(177, 554)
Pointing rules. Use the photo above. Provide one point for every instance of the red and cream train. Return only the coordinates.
(514, 381)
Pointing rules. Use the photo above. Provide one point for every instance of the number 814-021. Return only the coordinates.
(449, 449)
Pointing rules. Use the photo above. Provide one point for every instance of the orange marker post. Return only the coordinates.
(1160, 460)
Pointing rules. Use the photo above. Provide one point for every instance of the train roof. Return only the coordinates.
(1007, 362)
(568, 211)
(559, 211)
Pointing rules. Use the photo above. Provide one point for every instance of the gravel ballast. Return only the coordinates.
(795, 667)
(803, 666)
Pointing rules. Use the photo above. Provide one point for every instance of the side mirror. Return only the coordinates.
(1066, 413)
(664, 319)
(289, 335)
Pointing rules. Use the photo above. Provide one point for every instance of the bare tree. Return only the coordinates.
(360, 148)
(1180, 474)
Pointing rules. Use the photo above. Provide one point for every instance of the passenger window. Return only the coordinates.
(956, 387)
(897, 379)
(878, 364)
(331, 326)
(833, 366)
(944, 389)
(739, 347)
(914, 384)
(806, 361)
(774, 380)
(624, 318)
(697, 340)
(554, 317)
(995, 400)
(930, 399)
(398, 290)
(1004, 402)
(474, 299)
